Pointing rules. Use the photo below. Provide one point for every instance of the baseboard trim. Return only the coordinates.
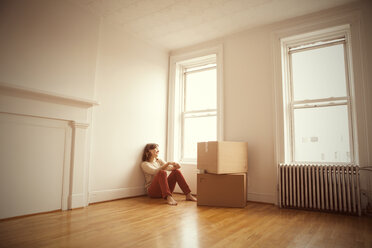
(258, 197)
(28, 215)
(113, 194)
(77, 201)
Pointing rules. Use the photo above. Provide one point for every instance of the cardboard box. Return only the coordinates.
(223, 157)
(228, 190)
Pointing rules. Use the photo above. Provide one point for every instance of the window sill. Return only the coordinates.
(188, 163)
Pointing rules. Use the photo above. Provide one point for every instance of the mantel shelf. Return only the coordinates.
(22, 91)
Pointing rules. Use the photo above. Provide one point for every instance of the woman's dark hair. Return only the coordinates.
(146, 152)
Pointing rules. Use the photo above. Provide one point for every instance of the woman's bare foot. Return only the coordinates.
(171, 201)
(190, 197)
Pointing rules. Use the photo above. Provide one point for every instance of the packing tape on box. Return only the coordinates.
(206, 147)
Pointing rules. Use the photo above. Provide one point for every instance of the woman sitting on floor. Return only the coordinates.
(158, 184)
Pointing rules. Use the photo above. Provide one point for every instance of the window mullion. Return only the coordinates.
(291, 109)
(183, 111)
(204, 111)
(184, 89)
(349, 106)
(198, 116)
(328, 104)
(329, 99)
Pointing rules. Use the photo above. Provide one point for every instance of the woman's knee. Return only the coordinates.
(177, 172)
(162, 173)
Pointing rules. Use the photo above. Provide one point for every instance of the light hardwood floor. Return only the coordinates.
(144, 222)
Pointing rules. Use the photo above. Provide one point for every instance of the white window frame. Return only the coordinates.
(194, 113)
(175, 104)
(284, 125)
(287, 44)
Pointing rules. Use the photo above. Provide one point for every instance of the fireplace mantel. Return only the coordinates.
(28, 103)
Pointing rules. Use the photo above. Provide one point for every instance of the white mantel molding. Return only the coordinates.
(79, 124)
(22, 91)
(33, 103)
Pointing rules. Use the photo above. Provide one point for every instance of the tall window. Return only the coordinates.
(199, 110)
(194, 104)
(317, 100)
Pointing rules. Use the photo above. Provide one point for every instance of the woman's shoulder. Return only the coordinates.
(145, 163)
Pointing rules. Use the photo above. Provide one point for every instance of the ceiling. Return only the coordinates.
(174, 24)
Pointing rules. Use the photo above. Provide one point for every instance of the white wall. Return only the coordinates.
(52, 48)
(248, 107)
(48, 45)
(366, 40)
(48, 51)
(249, 104)
(367, 68)
(131, 87)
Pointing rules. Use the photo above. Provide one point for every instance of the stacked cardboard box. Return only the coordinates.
(223, 170)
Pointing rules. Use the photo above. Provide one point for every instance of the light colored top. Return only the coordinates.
(150, 169)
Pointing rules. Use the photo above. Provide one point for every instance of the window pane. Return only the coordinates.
(322, 134)
(198, 130)
(201, 90)
(319, 73)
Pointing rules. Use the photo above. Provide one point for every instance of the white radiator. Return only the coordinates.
(320, 187)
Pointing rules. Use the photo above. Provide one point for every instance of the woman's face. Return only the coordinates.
(154, 152)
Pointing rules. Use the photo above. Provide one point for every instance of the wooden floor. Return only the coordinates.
(144, 222)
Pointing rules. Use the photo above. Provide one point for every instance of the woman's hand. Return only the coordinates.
(175, 165)
(164, 166)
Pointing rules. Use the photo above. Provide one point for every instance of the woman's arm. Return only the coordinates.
(175, 165)
(169, 166)
(151, 169)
